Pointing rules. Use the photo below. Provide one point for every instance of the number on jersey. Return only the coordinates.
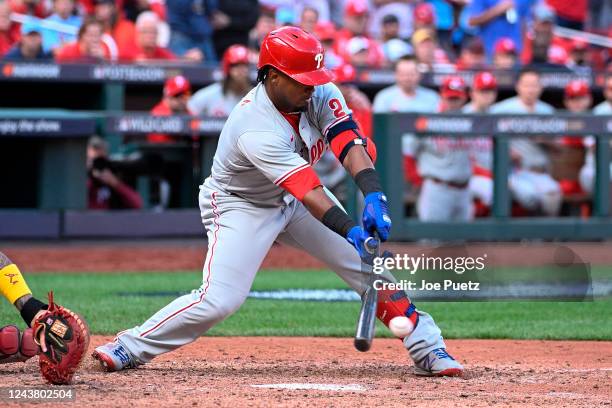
(336, 106)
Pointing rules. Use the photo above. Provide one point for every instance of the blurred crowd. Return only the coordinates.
(452, 177)
(365, 33)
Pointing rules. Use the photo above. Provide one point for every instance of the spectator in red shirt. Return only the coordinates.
(88, 47)
(326, 33)
(120, 29)
(570, 13)
(87, 6)
(177, 91)
(146, 40)
(540, 38)
(424, 16)
(355, 25)
(505, 56)
(105, 190)
(36, 8)
(9, 32)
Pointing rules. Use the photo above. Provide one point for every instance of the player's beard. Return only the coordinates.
(304, 107)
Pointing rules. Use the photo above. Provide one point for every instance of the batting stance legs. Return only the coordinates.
(239, 237)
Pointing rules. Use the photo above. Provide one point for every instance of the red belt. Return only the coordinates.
(449, 183)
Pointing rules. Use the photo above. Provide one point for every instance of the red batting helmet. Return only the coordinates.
(296, 54)
(577, 88)
(424, 13)
(345, 73)
(325, 31)
(484, 81)
(453, 86)
(236, 54)
(505, 45)
(176, 85)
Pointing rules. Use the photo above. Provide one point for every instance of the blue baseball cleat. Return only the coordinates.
(114, 357)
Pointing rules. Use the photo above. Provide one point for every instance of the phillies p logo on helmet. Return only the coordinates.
(319, 59)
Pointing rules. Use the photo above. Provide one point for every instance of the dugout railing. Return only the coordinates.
(60, 138)
(389, 129)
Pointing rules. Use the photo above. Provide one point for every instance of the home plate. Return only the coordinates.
(308, 386)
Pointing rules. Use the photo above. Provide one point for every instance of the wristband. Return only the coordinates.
(368, 181)
(30, 308)
(336, 220)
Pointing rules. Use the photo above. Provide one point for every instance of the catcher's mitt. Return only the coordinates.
(65, 336)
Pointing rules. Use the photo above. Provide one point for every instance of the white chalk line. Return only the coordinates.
(308, 386)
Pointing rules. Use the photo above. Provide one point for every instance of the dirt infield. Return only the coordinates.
(223, 372)
(319, 372)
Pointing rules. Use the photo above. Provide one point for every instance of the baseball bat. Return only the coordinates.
(367, 315)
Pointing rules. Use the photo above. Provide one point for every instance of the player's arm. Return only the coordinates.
(479, 15)
(14, 345)
(15, 289)
(274, 157)
(357, 154)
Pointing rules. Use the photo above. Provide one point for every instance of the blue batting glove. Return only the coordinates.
(356, 237)
(376, 215)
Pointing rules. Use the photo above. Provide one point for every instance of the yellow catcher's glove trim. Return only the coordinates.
(12, 283)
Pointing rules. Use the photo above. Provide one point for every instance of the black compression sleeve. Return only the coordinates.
(336, 220)
(368, 181)
(30, 308)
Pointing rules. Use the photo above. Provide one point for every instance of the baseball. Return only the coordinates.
(401, 326)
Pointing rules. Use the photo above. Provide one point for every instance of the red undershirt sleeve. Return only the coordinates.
(301, 182)
(411, 172)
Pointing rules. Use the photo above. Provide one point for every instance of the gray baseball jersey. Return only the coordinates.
(481, 147)
(444, 158)
(393, 99)
(244, 211)
(532, 155)
(604, 108)
(433, 155)
(587, 173)
(211, 101)
(255, 156)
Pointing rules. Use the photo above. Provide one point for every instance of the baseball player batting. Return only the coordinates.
(263, 189)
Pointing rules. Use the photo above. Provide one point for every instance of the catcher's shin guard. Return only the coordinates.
(394, 303)
(16, 346)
